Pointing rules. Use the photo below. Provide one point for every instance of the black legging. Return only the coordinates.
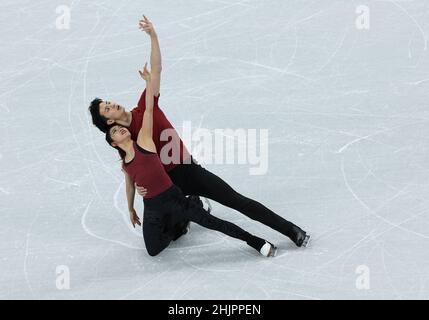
(171, 208)
(193, 179)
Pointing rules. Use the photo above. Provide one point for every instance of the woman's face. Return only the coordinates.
(119, 134)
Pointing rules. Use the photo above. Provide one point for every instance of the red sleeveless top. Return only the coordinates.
(147, 170)
(175, 150)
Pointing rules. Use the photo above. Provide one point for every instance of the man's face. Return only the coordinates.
(111, 111)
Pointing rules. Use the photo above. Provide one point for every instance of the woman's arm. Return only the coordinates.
(144, 138)
(130, 190)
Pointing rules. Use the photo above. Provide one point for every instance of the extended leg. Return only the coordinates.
(207, 184)
(196, 214)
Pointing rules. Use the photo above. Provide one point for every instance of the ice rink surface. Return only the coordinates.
(348, 119)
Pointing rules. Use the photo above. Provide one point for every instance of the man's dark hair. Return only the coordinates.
(109, 140)
(97, 119)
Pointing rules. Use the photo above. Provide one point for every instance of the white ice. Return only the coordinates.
(347, 113)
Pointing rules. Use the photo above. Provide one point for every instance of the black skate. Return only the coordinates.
(205, 205)
(302, 239)
(182, 229)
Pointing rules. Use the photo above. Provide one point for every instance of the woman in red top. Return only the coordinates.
(165, 206)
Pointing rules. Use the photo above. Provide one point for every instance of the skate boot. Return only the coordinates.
(264, 247)
(268, 250)
(205, 205)
(302, 238)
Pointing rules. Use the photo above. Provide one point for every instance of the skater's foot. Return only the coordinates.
(197, 200)
(302, 239)
(182, 229)
(268, 250)
(264, 247)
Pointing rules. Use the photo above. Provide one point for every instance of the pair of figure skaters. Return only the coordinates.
(164, 186)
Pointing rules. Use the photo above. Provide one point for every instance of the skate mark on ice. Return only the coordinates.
(92, 234)
(372, 212)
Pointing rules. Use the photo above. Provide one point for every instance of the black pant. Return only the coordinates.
(193, 179)
(164, 212)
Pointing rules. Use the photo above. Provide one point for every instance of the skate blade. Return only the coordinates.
(273, 252)
(306, 241)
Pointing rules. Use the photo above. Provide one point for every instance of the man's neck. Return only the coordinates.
(125, 120)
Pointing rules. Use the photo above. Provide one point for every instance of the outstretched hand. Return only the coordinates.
(134, 218)
(146, 26)
(145, 74)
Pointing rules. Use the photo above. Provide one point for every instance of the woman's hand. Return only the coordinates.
(145, 74)
(134, 218)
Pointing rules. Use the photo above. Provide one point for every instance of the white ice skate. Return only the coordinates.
(268, 250)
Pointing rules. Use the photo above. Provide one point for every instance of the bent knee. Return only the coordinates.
(153, 252)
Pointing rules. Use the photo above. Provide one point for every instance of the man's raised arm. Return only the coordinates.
(155, 54)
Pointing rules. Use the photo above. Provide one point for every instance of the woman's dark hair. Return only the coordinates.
(97, 119)
(109, 140)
